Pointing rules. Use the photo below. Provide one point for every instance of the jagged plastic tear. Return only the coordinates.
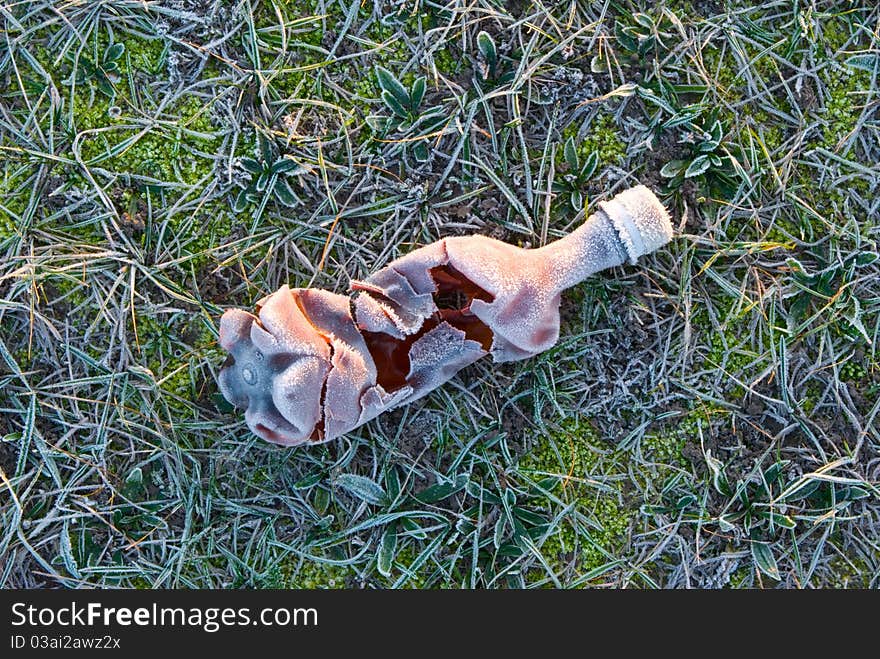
(308, 370)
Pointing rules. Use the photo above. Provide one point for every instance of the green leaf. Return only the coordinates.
(803, 491)
(867, 62)
(362, 487)
(392, 85)
(308, 481)
(866, 258)
(135, 478)
(644, 20)
(396, 107)
(387, 549)
(287, 166)
(774, 471)
(599, 64)
(465, 526)
(590, 166)
(498, 531)
(626, 41)
(114, 52)
(321, 501)
(392, 483)
(420, 151)
(252, 165)
(570, 154)
(783, 521)
(685, 116)
(546, 484)
(241, 201)
(673, 168)
(413, 529)
(529, 517)
(266, 149)
(851, 493)
(440, 491)
(417, 93)
(105, 86)
(699, 165)
(719, 478)
(854, 316)
(486, 46)
(477, 491)
(625, 90)
(762, 554)
(262, 181)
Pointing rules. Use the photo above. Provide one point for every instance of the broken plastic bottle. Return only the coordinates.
(312, 365)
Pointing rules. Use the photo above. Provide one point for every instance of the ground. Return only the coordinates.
(708, 418)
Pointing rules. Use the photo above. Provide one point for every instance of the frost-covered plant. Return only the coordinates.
(270, 178)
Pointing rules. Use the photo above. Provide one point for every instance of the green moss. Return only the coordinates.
(200, 232)
(811, 399)
(447, 62)
(305, 574)
(599, 480)
(845, 102)
(847, 572)
(603, 138)
(667, 447)
(176, 349)
(404, 559)
(742, 577)
(574, 453)
(725, 348)
(166, 151)
(306, 76)
(728, 343)
(12, 206)
(853, 371)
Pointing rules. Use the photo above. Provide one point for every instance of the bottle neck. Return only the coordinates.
(594, 246)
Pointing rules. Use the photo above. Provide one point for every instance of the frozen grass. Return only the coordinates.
(708, 419)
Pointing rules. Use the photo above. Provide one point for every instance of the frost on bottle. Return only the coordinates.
(307, 370)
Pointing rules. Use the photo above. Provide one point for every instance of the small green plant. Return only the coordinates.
(101, 71)
(135, 512)
(403, 102)
(270, 178)
(407, 123)
(572, 183)
(646, 35)
(761, 508)
(830, 289)
(492, 69)
(713, 162)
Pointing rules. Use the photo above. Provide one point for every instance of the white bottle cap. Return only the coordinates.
(641, 220)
